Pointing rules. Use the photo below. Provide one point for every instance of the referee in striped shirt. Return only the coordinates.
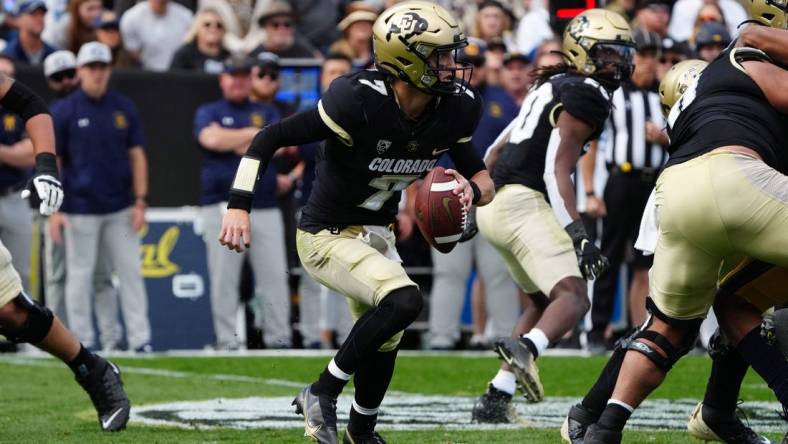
(633, 145)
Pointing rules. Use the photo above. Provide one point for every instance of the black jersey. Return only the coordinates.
(726, 107)
(533, 141)
(375, 151)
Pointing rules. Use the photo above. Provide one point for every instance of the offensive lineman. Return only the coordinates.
(23, 320)
(721, 196)
(383, 130)
(544, 244)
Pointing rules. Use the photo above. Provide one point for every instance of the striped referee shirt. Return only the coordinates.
(623, 141)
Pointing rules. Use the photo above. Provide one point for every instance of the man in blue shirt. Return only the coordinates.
(27, 46)
(451, 270)
(16, 160)
(224, 129)
(105, 177)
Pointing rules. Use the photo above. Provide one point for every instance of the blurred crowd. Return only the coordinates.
(244, 42)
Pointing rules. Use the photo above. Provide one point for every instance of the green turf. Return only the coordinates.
(43, 404)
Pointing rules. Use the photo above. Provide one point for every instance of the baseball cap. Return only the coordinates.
(711, 33)
(106, 19)
(94, 52)
(646, 39)
(267, 60)
(473, 52)
(59, 61)
(28, 6)
(652, 4)
(234, 65)
(496, 43)
(515, 56)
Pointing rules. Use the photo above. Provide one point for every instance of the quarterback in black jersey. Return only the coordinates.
(722, 196)
(533, 221)
(383, 129)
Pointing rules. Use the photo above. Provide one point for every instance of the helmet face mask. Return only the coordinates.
(418, 42)
(613, 62)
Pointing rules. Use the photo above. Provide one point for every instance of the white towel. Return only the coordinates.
(377, 237)
(649, 228)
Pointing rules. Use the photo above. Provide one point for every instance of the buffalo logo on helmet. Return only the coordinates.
(410, 24)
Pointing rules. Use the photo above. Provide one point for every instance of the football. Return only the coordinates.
(439, 213)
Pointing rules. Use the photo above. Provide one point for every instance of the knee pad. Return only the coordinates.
(405, 303)
(775, 329)
(672, 353)
(36, 326)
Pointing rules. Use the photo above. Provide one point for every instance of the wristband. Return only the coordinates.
(240, 201)
(477, 193)
(46, 163)
(246, 175)
(589, 193)
(576, 230)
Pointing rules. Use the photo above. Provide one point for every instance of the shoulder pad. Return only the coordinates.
(745, 53)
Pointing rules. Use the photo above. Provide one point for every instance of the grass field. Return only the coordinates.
(41, 403)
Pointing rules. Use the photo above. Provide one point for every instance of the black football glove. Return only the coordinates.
(589, 258)
(471, 229)
(44, 189)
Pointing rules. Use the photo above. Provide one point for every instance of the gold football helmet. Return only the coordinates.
(412, 40)
(596, 41)
(770, 13)
(677, 80)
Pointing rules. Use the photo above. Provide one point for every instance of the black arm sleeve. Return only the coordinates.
(304, 127)
(466, 159)
(21, 100)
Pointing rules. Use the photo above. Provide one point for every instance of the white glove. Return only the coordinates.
(48, 195)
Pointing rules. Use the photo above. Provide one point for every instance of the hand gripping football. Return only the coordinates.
(439, 213)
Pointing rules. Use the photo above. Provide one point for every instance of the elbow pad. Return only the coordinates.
(21, 100)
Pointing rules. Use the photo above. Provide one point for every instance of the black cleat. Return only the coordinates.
(320, 416)
(709, 424)
(518, 356)
(599, 435)
(494, 407)
(371, 437)
(105, 388)
(573, 430)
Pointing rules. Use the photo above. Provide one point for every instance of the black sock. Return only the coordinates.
(359, 423)
(596, 399)
(614, 417)
(83, 363)
(531, 346)
(371, 381)
(767, 361)
(328, 384)
(727, 373)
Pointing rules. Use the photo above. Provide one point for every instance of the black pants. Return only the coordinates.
(625, 197)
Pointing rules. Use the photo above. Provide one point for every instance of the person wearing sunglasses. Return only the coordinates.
(204, 49)
(278, 24)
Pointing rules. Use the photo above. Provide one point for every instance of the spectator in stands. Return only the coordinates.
(153, 30)
(204, 49)
(546, 59)
(493, 64)
(672, 53)
(626, 8)
(711, 40)
(534, 27)
(681, 23)
(356, 28)
(60, 70)
(76, 27)
(317, 20)
(27, 46)
(108, 33)
(515, 77)
(324, 315)
(278, 22)
(493, 21)
(653, 16)
(633, 147)
(224, 129)
(451, 271)
(16, 159)
(266, 83)
(105, 181)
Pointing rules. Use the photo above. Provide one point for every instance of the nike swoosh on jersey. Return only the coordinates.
(109, 420)
(436, 151)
